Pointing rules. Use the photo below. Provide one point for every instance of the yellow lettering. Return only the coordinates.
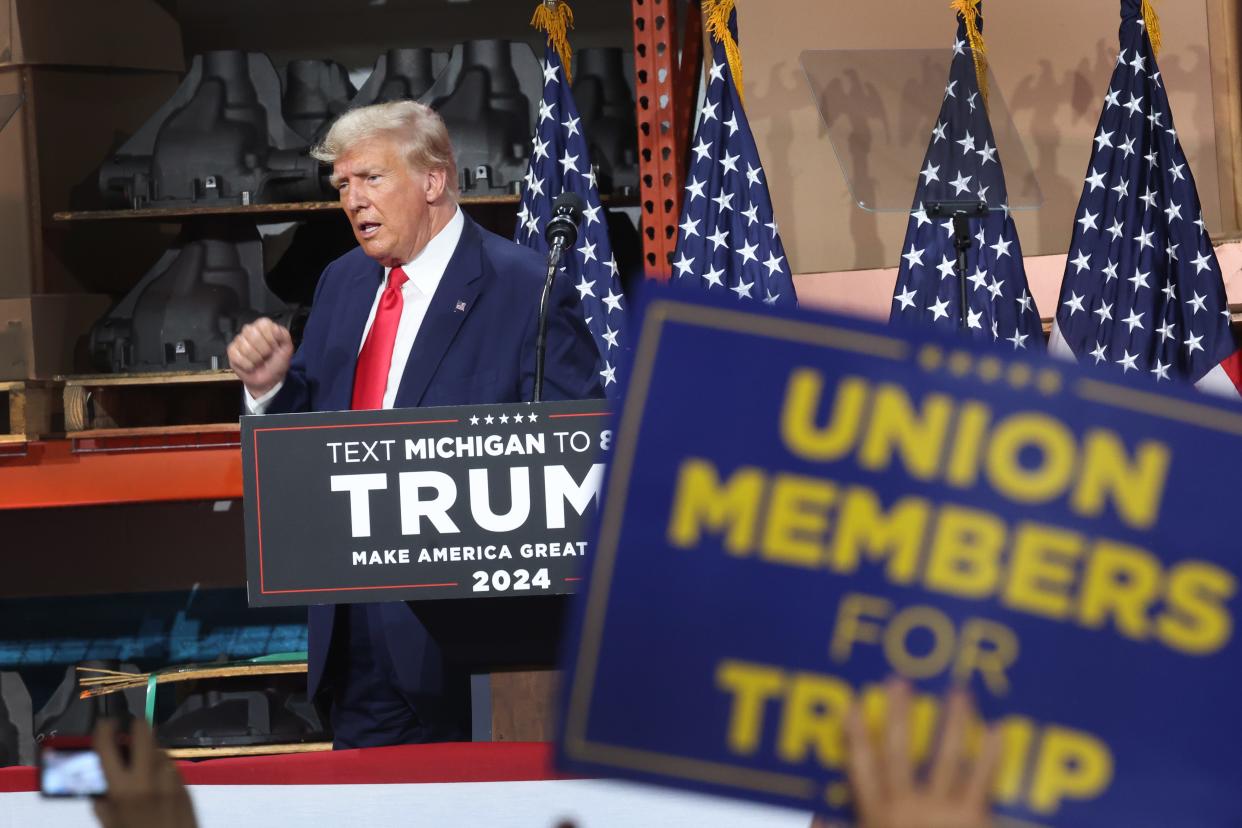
(751, 685)
(1042, 570)
(797, 519)
(962, 470)
(703, 502)
(965, 553)
(798, 416)
(814, 711)
(1134, 487)
(1042, 764)
(864, 529)
(944, 640)
(1121, 582)
(1195, 619)
(1021, 434)
(1068, 764)
(852, 624)
(1017, 734)
(988, 648)
(897, 427)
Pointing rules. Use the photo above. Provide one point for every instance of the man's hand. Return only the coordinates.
(888, 793)
(260, 355)
(145, 793)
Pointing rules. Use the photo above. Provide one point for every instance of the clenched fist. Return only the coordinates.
(260, 355)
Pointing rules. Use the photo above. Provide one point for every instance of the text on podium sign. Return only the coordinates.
(421, 504)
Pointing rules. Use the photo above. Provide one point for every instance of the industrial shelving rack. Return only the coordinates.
(96, 466)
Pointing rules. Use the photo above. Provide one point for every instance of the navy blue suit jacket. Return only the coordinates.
(476, 345)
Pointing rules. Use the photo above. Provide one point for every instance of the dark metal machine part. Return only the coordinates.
(186, 309)
(606, 104)
(243, 711)
(308, 247)
(401, 74)
(220, 139)
(16, 722)
(484, 91)
(485, 101)
(315, 92)
(66, 713)
(227, 136)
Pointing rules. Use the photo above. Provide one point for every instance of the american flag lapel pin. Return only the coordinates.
(461, 305)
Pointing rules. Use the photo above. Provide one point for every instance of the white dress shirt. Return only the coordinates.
(425, 271)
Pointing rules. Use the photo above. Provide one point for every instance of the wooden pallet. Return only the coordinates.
(28, 409)
(104, 682)
(130, 405)
(247, 750)
(100, 682)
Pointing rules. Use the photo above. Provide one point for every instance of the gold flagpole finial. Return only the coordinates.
(716, 21)
(968, 10)
(556, 19)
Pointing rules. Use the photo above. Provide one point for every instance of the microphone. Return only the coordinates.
(562, 229)
(959, 212)
(562, 232)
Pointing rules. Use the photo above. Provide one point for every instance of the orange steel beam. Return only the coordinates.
(655, 71)
(59, 473)
(689, 72)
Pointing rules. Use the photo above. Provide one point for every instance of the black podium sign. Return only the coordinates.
(418, 504)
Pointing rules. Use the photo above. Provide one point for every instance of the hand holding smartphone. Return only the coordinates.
(134, 783)
(70, 766)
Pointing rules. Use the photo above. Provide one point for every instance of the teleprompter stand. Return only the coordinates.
(960, 213)
(862, 93)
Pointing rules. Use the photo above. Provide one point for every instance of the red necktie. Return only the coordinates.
(371, 375)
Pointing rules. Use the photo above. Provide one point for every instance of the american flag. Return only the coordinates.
(729, 239)
(1142, 288)
(560, 162)
(962, 164)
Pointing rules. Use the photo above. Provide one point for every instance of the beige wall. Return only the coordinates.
(1052, 60)
(869, 293)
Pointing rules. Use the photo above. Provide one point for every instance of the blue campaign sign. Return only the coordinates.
(800, 506)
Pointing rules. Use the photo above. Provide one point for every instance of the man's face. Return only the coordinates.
(387, 202)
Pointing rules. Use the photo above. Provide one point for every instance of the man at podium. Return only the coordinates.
(429, 309)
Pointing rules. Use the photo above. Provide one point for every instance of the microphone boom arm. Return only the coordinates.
(562, 232)
(541, 338)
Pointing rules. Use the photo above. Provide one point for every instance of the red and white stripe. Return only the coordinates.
(1223, 380)
(490, 784)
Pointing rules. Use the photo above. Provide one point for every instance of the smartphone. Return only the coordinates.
(69, 766)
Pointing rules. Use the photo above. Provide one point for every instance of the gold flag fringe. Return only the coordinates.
(968, 10)
(1151, 22)
(556, 19)
(716, 21)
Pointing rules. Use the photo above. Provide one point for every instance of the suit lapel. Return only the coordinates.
(359, 297)
(458, 288)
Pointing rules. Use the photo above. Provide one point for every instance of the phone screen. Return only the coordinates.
(71, 770)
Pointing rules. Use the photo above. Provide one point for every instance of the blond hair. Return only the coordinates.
(419, 127)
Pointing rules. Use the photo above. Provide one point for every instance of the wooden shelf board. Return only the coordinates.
(152, 431)
(282, 211)
(154, 378)
(198, 210)
(305, 208)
